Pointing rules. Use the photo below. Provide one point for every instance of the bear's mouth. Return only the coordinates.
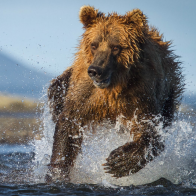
(103, 83)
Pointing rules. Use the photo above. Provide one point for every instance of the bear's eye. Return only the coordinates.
(93, 46)
(116, 49)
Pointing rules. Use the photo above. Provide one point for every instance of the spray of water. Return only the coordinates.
(43, 147)
(177, 163)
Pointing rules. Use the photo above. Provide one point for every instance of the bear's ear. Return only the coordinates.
(136, 17)
(88, 15)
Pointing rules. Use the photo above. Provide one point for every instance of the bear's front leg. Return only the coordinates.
(67, 144)
(133, 156)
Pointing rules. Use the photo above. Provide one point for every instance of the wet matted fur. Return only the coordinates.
(122, 67)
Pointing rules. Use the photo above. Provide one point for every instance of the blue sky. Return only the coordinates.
(43, 34)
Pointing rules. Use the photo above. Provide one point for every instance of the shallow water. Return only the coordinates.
(19, 115)
(23, 167)
(16, 179)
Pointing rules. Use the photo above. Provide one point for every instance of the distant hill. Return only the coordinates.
(18, 79)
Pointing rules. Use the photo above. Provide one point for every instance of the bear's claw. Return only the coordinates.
(121, 163)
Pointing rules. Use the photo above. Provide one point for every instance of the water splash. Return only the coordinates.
(177, 163)
(43, 147)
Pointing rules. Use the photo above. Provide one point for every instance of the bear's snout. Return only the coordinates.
(99, 77)
(94, 72)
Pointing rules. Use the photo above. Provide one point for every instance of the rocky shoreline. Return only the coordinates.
(19, 130)
(19, 120)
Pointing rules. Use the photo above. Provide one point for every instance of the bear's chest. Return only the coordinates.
(96, 146)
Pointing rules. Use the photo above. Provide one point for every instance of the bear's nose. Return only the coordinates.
(94, 71)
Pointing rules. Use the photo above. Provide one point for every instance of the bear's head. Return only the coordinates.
(111, 44)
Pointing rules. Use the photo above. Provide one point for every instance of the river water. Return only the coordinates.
(23, 167)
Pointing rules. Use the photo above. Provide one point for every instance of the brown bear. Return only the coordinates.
(122, 68)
